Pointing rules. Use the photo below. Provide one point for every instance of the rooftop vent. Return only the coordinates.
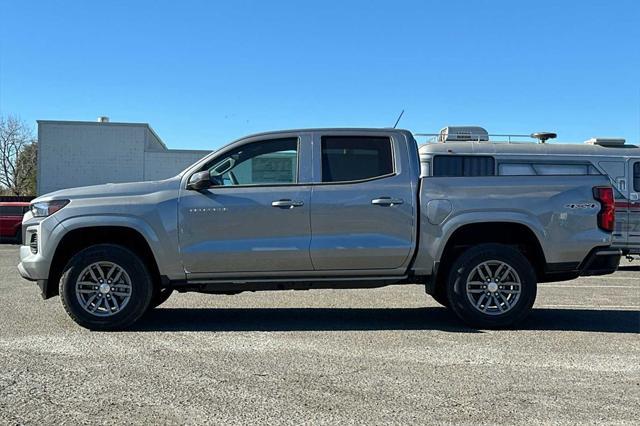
(606, 141)
(462, 134)
(103, 119)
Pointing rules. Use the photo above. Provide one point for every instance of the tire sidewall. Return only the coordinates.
(160, 295)
(464, 265)
(141, 286)
(440, 296)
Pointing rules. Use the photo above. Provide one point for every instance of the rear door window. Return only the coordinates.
(355, 158)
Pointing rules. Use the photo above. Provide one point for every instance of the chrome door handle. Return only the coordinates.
(386, 201)
(287, 204)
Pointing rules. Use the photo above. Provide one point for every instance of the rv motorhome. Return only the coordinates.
(472, 151)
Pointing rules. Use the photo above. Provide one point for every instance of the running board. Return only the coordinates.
(228, 285)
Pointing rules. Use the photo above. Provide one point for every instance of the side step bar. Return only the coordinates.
(228, 286)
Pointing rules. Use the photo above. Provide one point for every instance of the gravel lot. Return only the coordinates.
(389, 355)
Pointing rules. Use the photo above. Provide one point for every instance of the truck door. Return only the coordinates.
(633, 207)
(254, 217)
(362, 203)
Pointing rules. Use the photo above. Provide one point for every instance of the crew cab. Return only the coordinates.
(317, 208)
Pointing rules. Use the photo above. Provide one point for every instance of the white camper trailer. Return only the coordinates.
(482, 154)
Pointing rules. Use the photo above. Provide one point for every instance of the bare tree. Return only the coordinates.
(26, 168)
(17, 154)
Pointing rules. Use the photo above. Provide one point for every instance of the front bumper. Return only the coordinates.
(30, 269)
(601, 261)
(35, 266)
(23, 272)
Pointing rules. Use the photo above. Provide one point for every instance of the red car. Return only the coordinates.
(11, 220)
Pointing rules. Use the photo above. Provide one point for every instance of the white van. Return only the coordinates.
(476, 153)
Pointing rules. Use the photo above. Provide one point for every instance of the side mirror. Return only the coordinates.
(199, 181)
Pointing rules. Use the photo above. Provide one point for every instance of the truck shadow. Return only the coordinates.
(362, 319)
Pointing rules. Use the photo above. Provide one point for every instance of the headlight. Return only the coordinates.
(47, 208)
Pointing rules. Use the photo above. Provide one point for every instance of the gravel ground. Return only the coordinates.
(389, 355)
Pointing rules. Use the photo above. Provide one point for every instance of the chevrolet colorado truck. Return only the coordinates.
(318, 208)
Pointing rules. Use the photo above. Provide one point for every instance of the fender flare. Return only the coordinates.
(455, 223)
(122, 221)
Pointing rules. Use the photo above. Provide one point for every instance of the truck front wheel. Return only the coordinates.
(491, 286)
(105, 287)
(160, 296)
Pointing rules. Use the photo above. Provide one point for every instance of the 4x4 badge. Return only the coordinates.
(581, 206)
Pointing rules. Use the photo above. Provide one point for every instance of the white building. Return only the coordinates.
(80, 153)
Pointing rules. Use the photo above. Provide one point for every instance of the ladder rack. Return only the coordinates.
(500, 138)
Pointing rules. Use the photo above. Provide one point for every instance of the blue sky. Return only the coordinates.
(205, 72)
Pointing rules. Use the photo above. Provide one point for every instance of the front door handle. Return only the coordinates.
(287, 204)
(386, 201)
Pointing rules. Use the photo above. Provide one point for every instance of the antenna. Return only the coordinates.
(398, 120)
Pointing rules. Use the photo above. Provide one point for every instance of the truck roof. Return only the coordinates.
(328, 130)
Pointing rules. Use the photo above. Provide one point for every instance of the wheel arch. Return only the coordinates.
(510, 233)
(80, 238)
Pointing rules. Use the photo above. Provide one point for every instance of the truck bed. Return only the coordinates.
(559, 210)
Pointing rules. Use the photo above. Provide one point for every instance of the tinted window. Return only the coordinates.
(12, 211)
(258, 163)
(351, 158)
(461, 165)
(636, 177)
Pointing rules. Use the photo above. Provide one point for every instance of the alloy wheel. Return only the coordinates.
(103, 289)
(493, 287)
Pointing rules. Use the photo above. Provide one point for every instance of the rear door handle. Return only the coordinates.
(386, 201)
(287, 204)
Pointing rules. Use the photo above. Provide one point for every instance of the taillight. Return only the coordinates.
(607, 214)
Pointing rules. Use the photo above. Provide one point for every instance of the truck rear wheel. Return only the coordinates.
(492, 286)
(105, 287)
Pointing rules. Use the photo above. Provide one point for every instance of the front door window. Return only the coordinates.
(273, 162)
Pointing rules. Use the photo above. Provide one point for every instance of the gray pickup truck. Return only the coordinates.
(318, 208)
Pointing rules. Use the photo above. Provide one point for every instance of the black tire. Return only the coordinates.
(18, 238)
(440, 296)
(465, 265)
(140, 283)
(160, 295)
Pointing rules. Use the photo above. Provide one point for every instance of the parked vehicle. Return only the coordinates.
(503, 156)
(11, 214)
(317, 208)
